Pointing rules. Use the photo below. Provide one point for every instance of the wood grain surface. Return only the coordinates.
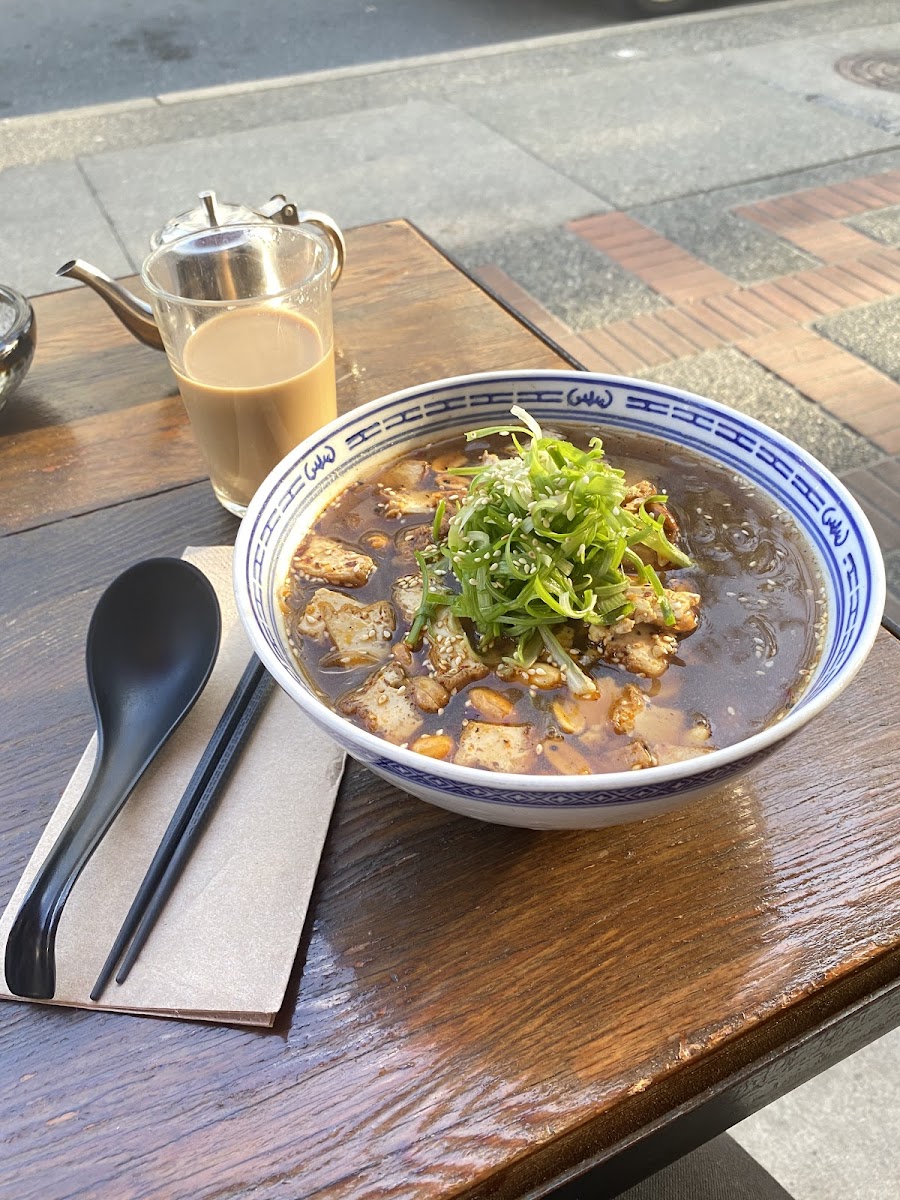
(475, 1010)
(98, 420)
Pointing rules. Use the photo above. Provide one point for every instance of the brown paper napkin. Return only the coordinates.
(226, 941)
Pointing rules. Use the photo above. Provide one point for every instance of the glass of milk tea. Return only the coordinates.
(245, 317)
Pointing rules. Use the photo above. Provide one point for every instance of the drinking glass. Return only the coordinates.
(245, 317)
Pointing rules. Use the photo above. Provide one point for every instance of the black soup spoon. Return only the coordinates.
(151, 645)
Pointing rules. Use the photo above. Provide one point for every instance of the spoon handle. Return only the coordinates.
(30, 960)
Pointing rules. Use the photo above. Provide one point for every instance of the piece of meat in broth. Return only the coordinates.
(331, 561)
(405, 495)
(413, 538)
(384, 706)
(638, 648)
(625, 708)
(496, 747)
(359, 633)
(637, 493)
(643, 643)
(647, 610)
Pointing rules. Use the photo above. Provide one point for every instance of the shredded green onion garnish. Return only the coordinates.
(540, 539)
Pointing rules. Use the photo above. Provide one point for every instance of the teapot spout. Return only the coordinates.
(135, 314)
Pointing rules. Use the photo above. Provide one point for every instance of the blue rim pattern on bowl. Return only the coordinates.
(831, 519)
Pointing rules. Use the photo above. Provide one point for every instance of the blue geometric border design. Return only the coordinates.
(822, 508)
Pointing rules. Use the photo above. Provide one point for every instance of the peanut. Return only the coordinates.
(433, 745)
(402, 653)
(444, 462)
(545, 676)
(641, 755)
(569, 716)
(430, 695)
(491, 704)
(700, 730)
(566, 759)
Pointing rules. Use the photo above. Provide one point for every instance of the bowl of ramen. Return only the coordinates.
(557, 599)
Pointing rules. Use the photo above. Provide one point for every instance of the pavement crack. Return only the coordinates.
(95, 196)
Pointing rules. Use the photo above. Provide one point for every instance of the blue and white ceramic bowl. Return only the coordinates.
(301, 485)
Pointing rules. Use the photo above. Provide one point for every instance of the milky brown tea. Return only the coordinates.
(398, 605)
(256, 382)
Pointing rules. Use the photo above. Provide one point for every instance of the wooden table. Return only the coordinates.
(475, 1010)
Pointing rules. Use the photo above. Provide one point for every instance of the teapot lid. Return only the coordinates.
(209, 213)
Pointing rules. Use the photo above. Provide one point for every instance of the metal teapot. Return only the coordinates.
(137, 316)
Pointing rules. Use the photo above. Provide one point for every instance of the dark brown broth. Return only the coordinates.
(761, 612)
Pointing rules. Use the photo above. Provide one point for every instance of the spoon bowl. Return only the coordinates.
(151, 645)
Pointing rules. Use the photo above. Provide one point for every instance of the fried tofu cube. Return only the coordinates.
(400, 502)
(407, 595)
(677, 754)
(384, 706)
(331, 561)
(405, 495)
(452, 658)
(359, 633)
(406, 474)
(496, 747)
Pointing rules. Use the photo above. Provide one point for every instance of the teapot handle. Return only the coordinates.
(283, 211)
(333, 235)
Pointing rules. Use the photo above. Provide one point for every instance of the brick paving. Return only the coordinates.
(772, 322)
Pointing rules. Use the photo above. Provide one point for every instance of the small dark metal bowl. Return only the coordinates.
(18, 332)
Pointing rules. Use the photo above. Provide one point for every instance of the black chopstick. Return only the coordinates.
(187, 822)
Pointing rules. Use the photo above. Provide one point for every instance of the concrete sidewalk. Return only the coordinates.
(704, 200)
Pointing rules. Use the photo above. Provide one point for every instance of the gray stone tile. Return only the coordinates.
(48, 215)
(883, 225)
(729, 376)
(570, 278)
(836, 1137)
(610, 131)
(871, 332)
(806, 67)
(707, 226)
(444, 170)
(738, 248)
